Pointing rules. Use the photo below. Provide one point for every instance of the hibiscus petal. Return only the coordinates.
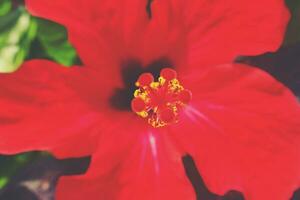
(217, 31)
(132, 162)
(101, 31)
(243, 130)
(106, 32)
(41, 111)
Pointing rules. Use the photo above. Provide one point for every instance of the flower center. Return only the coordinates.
(160, 101)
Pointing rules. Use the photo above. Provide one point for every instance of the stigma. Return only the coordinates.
(160, 102)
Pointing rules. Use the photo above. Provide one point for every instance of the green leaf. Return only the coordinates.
(5, 7)
(9, 165)
(53, 38)
(17, 33)
(9, 20)
(3, 181)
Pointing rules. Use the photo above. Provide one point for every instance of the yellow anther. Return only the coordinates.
(155, 85)
(143, 114)
(162, 100)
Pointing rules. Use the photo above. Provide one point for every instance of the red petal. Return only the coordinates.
(132, 163)
(40, 111)
(122, 16)
(216, 32)
(102, 31)
(243, 129)
(199, 33)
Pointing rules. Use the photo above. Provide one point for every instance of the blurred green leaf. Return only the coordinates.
(53, 39)
(3, 181)
(17, 32)
(10, 164)
(9, 20)
(5, 7)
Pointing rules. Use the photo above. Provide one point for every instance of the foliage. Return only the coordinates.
(26, 37)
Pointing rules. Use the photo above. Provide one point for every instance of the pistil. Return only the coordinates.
(160, 102)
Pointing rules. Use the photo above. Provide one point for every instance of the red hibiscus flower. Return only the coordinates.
(153, 88)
